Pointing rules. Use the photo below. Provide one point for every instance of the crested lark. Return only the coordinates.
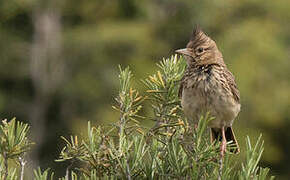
(208, 86)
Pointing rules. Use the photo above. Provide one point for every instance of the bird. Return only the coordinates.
(208, 86)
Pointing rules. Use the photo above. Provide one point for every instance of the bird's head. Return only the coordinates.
(201, 50)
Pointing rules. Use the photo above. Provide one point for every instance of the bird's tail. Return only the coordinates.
(216, 135)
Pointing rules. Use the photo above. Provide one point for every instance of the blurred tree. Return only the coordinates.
(46, 67)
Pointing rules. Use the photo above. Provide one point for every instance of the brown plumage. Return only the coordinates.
(208, 86)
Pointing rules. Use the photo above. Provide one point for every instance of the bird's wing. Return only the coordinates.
(231, 81)
(181, 87)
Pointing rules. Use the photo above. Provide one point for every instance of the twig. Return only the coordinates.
(22, 163)
(221, 168)
(68, 172)
(128, 171)
(5, 166)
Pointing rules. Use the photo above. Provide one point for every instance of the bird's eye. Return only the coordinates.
(200, 50)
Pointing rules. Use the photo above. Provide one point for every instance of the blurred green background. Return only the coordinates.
(59, 63)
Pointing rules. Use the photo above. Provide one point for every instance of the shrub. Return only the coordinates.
(129, 151)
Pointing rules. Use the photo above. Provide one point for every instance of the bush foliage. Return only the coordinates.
(126, 150)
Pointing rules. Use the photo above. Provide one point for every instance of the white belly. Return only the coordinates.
(197, 103)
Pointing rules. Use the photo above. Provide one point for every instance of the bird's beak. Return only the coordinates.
(184, 51)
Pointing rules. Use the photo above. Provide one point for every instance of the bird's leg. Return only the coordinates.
(223, 150)
(224, 142)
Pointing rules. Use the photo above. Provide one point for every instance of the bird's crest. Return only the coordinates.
(197, 37)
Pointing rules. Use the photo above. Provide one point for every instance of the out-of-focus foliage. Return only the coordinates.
(45, 175)
(98, 35)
